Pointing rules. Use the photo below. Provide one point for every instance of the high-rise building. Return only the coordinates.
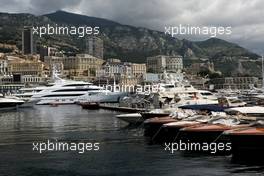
(27, 41)
(94, 47)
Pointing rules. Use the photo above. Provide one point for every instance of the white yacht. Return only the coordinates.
(64, 92)
(186, 95)
(9, 103)
(26, 94)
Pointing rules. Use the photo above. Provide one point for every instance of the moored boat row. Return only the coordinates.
(240, 129)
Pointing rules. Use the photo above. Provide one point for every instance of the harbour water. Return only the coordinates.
(123, 150)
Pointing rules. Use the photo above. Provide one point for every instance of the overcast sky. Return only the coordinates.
(246, 17)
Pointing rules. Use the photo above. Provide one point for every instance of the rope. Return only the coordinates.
(156, 134)
(218, 137)
(176, 136)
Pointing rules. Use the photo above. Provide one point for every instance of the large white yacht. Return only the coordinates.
(64, 92)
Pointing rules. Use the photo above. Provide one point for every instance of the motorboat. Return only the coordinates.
(186, 95)
(153, 126)
(223, 104)
(137, 118)
(90, 105)
(132, 118)
(247, 142)
(9, 103)
(171, 130)
(250, 111)
(157, 113)
(212, 130)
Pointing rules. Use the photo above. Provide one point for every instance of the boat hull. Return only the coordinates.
(171, 132)
(153, 128)
(247, 146)
(134, 118)
(90, 105)
(9, 105)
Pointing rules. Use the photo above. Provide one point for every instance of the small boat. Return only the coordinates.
(137, 118)
(54, 104)
(155, 113)
(132, 118)
(90, 105)
(171, 130)
(9, 103)
(223, 103)
(152, 127)
(212, 131)
(252, 111)
(247, 143)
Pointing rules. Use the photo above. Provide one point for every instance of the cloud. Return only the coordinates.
(245, 17)
(41, 7)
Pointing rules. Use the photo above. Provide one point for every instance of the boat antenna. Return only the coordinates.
(262, 72)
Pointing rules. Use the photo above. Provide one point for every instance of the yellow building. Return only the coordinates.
(138, 70)
(25, 67)
(82, 65)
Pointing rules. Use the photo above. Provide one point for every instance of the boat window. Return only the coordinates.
(206, 93)
(63, 95)
(169, 86)
(93, 93)
(235, 101)
(76, 85)
(75, 90)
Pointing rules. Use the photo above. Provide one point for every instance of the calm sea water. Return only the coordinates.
(123, 151)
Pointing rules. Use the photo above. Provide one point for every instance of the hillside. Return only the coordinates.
(120, 41)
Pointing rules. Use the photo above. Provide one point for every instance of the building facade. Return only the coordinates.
(157, 64)
(24, 67)
(82, 65)
(235, 82)
(138, 70)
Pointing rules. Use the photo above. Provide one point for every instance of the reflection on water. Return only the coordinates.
(123, 150)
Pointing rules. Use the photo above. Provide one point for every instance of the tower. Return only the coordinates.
(94, 46)
(27, 41)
